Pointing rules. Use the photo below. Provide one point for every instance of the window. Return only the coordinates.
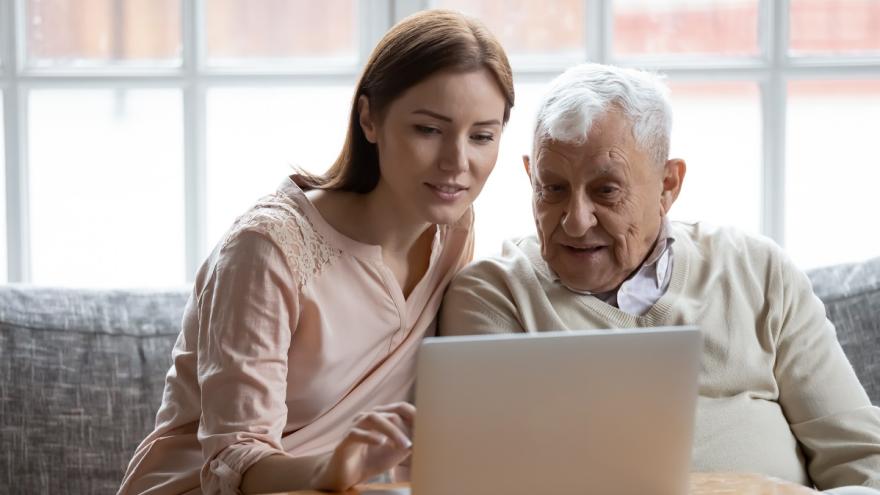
(241, 33)
(840, 27)
(258, 136)
(833, 171)
(102, 33)
(149, 125)
(754, 142)
(649, 28)
(187, 111)
(723, 179)
(106, 186)
(533, 33)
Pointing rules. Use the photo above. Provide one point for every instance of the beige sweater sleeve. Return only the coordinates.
(477, 302)
(826, 406)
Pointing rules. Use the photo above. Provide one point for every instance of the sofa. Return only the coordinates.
(81, 372)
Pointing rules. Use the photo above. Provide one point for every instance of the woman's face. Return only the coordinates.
(437, 143)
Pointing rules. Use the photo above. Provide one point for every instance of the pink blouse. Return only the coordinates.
(292, 329)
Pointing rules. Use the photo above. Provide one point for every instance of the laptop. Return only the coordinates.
(604, 412)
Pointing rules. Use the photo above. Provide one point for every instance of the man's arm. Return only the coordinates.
(826, 406)
(478, 302)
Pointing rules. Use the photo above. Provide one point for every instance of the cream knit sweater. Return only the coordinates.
(777, 394)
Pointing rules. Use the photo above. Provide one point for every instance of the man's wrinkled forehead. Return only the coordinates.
(555, 157)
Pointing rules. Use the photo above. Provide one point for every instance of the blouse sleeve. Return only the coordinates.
(826, 406)
(248, 311)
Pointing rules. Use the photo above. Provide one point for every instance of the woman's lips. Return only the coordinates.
(447, 192)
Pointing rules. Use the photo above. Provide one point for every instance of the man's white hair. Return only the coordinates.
(585, 92)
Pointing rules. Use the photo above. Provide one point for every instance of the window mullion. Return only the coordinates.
(7, 23)
(194, 142)
(404, 8)
(775, 37)
(15, 128)
(374, 18)
(599, 30)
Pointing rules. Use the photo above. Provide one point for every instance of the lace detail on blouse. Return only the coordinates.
(283, 221)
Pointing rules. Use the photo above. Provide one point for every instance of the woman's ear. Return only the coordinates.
(365, 119)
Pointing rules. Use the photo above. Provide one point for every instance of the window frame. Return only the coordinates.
(771, 71)
(194, 77)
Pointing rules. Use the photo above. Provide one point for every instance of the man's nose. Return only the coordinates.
(580, 216)
(453, 157)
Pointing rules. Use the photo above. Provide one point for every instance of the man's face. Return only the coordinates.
(598, 205)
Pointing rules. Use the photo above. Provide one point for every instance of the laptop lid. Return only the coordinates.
(607, 412)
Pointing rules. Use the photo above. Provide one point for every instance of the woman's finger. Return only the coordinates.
(378, 422)
(405, 410)
(366, 436)
(399, 422)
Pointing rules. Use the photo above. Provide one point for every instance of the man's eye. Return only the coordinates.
(608, 191)
(551, 193)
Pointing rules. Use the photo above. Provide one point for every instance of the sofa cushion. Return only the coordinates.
(851, 294)
(81, 377)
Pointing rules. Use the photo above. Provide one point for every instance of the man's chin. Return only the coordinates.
(580, 285)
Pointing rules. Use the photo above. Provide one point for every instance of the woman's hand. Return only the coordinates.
(376, 442)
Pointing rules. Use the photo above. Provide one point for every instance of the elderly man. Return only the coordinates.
(777, 395)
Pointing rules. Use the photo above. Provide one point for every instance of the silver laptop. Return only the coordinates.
(605, 412)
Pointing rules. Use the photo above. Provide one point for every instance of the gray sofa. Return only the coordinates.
(81, 373)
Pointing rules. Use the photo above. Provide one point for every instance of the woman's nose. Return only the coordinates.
(454, 158)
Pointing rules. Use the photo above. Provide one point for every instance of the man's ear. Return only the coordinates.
(674, 171)
(365, 119)
(527, 164)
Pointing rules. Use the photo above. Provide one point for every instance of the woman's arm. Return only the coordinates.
(376, 442)
(280, 473)
(248, 312)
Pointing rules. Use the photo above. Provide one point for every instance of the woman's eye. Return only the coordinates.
(483, 138)
(425, 129)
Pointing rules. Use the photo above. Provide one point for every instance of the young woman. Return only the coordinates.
(298, 342)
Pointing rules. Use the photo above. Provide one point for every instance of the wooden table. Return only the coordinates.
(701, 484)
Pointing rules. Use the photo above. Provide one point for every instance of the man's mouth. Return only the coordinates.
(585, 250)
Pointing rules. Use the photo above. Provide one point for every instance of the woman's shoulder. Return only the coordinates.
(281, 219)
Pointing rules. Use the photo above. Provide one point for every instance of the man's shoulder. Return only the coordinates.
(519, 260)
(497, 293)
(713, 237)
(726, 245)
